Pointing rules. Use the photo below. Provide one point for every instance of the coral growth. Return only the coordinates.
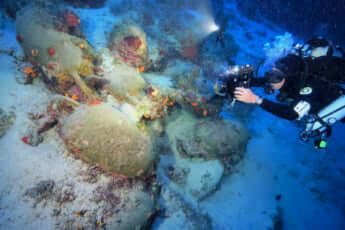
(75, 90)
(63, 81)
(109, 197)
(178, 175)
(6, 121)
(128, 43)
(127, 51)
(43, 190)
(71, 19)
(114, 197)
(48, 118)
(190, 52)
(65, 194)
(48, 190)
(92, 174)
(132, 42)
(152, 107)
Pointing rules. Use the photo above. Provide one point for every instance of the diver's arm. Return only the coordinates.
(280, 110)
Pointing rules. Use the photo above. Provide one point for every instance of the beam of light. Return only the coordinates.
(202, 22)
(212, 27)
(206, 24)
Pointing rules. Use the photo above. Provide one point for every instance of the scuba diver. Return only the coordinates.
(309, 90)
(220, 36)
(220, 39)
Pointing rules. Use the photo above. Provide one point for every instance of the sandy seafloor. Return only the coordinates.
(311, 182)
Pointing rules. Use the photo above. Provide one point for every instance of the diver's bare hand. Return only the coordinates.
(245, 95)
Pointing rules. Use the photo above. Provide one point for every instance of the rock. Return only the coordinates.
(213, 138)
(102, 135)
(219, 137)
(195, 178)
(138, 208)
(200, 146)
(203, 178)
(182, 215)
(120, 209)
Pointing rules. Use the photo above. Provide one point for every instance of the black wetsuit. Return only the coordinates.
(329, 67)
(315, 91)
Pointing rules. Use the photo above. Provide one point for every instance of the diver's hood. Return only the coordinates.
(290, 64)
(275, 75)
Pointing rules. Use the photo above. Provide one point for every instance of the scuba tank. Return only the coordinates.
(324, 59)
(320, 125)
